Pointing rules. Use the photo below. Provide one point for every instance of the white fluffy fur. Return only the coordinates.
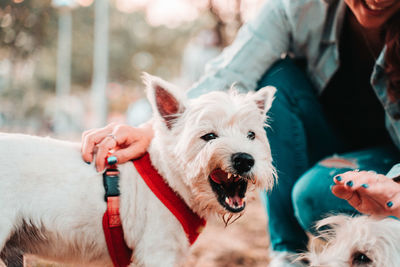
(378, 239)
(45, 185)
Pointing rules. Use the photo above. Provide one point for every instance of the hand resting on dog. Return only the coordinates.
(127, 143)
(368, 192)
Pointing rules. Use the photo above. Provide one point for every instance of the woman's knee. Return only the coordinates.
(311, 196)
(303, 197)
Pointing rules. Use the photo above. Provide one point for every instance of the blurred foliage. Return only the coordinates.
(28, 55)
(24, 26)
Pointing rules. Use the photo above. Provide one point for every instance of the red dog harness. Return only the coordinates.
(119, 252)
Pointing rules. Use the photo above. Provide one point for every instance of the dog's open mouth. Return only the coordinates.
(230, 189)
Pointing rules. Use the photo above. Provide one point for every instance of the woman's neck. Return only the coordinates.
(372, 36)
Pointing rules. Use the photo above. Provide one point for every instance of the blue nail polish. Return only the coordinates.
(389, 204)
(87, 162)
(112, 160)
(349, 183)
(338, 178)
(365, 185)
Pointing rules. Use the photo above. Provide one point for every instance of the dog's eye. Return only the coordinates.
(360, 258)
(251, 135)
(209, 136)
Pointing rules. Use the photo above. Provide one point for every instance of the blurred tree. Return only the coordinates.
(23, 29)
(28, 51)
(23, 25)
(100, 64)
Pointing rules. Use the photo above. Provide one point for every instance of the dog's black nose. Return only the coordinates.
(242, 162)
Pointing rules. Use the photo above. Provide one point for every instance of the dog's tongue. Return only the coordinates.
(218, 176)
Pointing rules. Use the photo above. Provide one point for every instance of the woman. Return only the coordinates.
(342, 99)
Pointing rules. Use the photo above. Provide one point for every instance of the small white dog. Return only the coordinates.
(207, 149)
(361, 241)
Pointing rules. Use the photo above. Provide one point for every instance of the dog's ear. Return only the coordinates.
(264, 98)
(165, 98)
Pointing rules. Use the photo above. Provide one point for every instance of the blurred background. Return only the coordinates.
(70, 65)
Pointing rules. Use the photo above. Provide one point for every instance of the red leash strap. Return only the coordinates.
(119, 252)
(192, 223)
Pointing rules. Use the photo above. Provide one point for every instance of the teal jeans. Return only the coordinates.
(307, 154)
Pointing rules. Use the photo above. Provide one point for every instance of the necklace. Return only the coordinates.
(360, 30)
(371, 50)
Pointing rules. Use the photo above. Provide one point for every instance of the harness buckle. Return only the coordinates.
(111, 183)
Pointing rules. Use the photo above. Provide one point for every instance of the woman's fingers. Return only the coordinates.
(91, 138)
(368, 192)
(136, 141)
(121, 136)
(131, 152)
(393, 206)
(357, 178)
(360, 202)
(104, 147)
(383, 192)
(342, 192)
(345, 193)
(124, 141)
(353, 197)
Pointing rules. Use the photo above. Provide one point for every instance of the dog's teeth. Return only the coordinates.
(229, 175)
(227, 200)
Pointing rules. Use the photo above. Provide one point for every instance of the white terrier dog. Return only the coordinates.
(207, 149)
(361, 241)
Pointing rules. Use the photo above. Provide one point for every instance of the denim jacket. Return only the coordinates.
(303, 28)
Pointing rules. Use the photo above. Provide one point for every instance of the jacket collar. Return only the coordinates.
(335, 18)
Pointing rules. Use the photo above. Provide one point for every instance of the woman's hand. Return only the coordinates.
(126, 141)
(369, 192)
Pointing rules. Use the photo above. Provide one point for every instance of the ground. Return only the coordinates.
(243, 243)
